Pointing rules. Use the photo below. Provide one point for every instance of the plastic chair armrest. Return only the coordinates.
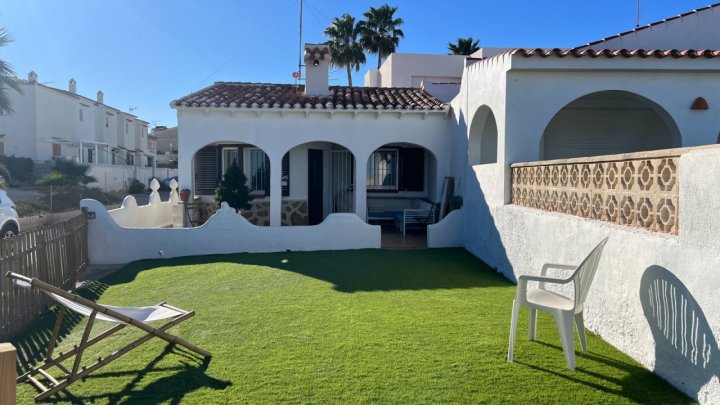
(546, 279)
(548, 266)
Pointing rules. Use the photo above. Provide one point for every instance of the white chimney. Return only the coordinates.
(32, 77)
(317, 66)
(73, 86)
(100, 97)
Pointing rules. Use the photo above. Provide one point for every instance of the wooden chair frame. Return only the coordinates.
(78, 370)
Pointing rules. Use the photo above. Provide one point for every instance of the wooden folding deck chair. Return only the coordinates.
(122, 316)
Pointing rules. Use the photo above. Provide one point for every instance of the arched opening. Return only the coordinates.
(211, 162)
(319, 178)
(606, 123)
(483, 142)
(402, 193)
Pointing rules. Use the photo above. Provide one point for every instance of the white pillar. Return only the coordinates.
(185, 170)
(96, 157)
(276, 190)
(361, 185)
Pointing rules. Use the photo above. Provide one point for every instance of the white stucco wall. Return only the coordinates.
(448, 232)
(410, 69)
(117, 177)
(694, 31)
(225, 232)
(20, 126)
(517, 240)
(537, 95)
(524, 94)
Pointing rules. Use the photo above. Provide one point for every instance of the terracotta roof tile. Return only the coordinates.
(264, 95)
(652, 24)
(623, 53)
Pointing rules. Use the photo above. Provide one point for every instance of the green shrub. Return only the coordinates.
(67, 173)
(233, 189)
(136, 186)
(21, 169)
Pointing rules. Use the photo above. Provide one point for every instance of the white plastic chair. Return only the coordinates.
(562, 308)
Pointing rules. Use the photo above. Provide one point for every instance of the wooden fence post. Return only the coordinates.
(8, 374)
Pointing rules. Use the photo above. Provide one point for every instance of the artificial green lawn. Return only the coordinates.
(378, 326)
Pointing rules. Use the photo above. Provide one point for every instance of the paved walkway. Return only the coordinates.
(392, 239)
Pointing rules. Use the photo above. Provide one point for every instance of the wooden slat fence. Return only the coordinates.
(56, 254)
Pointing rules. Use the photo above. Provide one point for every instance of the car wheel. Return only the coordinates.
(8, 231)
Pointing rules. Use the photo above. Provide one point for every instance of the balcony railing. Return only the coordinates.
(634, 189)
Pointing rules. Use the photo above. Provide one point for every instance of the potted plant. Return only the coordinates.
(185, 195)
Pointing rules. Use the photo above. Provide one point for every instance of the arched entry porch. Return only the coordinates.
(607, 123)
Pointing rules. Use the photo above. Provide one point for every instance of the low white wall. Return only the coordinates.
(225, 232)
(654, 295)
(156, 214)
(448, 232)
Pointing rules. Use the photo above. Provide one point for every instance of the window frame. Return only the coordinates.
(223, 163)
(265, 174)
(395, 167)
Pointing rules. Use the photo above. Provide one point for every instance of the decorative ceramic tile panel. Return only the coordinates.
(639, 192)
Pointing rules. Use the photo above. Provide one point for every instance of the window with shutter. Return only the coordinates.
(286, 175)
(206, 170)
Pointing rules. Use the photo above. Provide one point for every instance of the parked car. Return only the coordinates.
(165, 184)
(9, 225)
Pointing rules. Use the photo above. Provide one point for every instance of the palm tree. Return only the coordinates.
(7, 76)
(380, 32)
(345, 48)
(464, 46)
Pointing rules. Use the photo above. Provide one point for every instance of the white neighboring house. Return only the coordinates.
(167, 146)
(439, 75)
(50, 123)
(309, 151)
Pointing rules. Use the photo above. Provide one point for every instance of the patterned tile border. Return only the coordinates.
(639, 190)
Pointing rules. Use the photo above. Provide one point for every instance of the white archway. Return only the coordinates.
(608, 122)
(483, 137)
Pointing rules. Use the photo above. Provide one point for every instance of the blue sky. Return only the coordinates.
(146, 53)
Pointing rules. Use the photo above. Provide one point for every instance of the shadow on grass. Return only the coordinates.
(632, 386)
(32, 343)
(354, 270)
(190, 376)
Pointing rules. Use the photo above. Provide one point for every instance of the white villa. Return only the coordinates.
(551, 150)
(50, 123)
(305, 141)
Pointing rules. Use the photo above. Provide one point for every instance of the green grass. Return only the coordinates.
(341, 327)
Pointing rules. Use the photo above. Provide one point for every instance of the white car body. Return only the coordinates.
(9, 225)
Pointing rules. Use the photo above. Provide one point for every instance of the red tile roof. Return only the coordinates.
(288, 96)
(623, 53)
(652, 24)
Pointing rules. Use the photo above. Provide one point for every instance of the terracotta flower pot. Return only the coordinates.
(185, 195)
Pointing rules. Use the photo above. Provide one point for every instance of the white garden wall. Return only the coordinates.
(156, 214)
(225, 232)
(654, 296)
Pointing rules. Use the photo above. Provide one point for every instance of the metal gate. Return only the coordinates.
(342, 175)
